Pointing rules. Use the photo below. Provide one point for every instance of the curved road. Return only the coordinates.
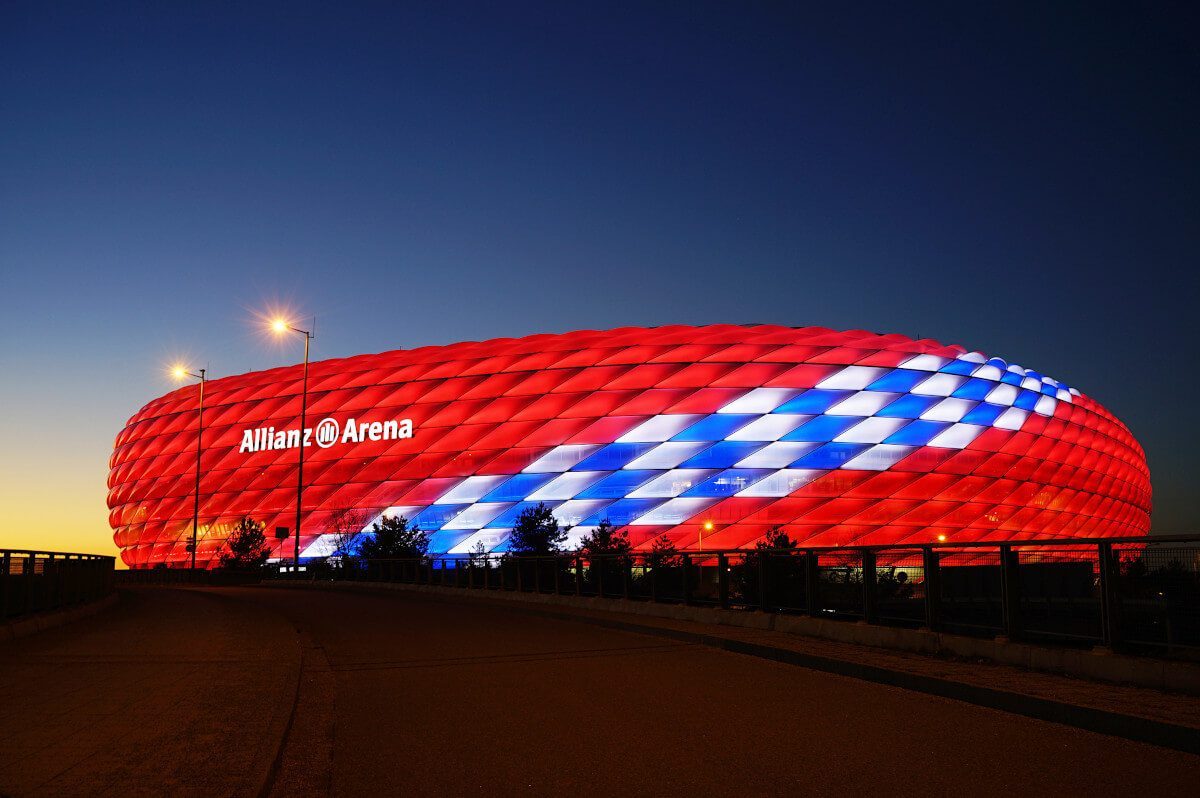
(417, 695)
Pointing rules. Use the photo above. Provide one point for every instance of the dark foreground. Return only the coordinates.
(191, 692)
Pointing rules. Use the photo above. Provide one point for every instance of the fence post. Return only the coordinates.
(520, 583)
(812, 582)
(869, 579)
(5, 581)
(653, 580)
(598, 575)
(557, 564)
(1010, 592)
(687, 578)
(487, 574)
(762, 580)
(933, 587)
(578, 575)
(27, 569)
(1109, 602)
(626, 567)
(723, 580)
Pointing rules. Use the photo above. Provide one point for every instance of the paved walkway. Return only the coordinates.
(404, 693)
(171, 692)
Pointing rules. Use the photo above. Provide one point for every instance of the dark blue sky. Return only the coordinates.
(1020, 180)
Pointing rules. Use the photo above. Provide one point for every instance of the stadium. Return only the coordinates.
(709, 435)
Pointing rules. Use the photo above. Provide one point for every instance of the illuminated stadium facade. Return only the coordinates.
(708, 435)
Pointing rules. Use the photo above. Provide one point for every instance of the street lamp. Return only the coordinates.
(181, 373)
(281, 327)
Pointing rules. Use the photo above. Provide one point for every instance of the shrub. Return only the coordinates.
(394, 538)
(247, 547)
(536, 532)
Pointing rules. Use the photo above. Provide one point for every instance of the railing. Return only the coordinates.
(36, 581)
(1129, 593)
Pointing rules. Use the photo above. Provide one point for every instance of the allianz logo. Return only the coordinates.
(326, 434)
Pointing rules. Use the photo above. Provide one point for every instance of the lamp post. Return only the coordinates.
(280, 326)
(180, 373)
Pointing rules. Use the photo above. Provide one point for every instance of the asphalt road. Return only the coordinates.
(198, 692)
(409, 694)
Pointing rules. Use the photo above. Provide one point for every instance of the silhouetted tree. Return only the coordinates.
(394, 538)
(246, 548)
(346, 525)
(605, 539)
(536, 532)
(775, 554)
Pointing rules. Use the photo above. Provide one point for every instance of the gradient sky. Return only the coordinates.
(1020, 181)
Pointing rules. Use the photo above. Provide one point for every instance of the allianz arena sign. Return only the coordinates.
(326, 434)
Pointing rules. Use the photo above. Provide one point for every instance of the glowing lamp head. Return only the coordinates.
(708, 526)
(178, 372)
(941, 538)
(279, 326)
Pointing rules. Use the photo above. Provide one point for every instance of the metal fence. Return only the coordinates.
(1130, 593)
(36, 581)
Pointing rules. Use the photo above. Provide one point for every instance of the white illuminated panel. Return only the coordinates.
(940, 385)
(782, 483)
(659, 428)
(672, 483)
(1045, 405)
(1003, 394)
(949, 410)
(567, 486)
(1012, 418)
(760, 400)
(768, 428)
(872, 430)
(957, 436)
(863, 403)
(668, 455)
(879, 458)
(471, 489)
(477, 515)
(777, 455)
(490, 538)
(323, 546)
(925, 363)
(573, 512)
(675, 511)
(561, 458)
(988, 372)
(974, 357)
(853, 378)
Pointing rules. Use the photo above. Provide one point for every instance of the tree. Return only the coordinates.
(346, 525)
(536, 532)
(663, 554)
(605, 539)
(774, 555)
(246, 548)
(394, 538)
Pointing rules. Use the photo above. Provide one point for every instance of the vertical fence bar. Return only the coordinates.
(812, 582)
(1010, 592)
(626, 576)
(578, 576)
(1109, 602)
(557, 564)
(933, 587)
(762, 580)
(723, 580)
(653, 580)
(598, 575)
(869, 578)
(5, 583)
(687, 577)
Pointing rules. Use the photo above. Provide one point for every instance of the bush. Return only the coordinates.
(394, 539)
(246, 548)
(536, 532)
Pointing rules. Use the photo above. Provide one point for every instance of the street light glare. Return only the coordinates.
(179, 372)
(279, 325)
